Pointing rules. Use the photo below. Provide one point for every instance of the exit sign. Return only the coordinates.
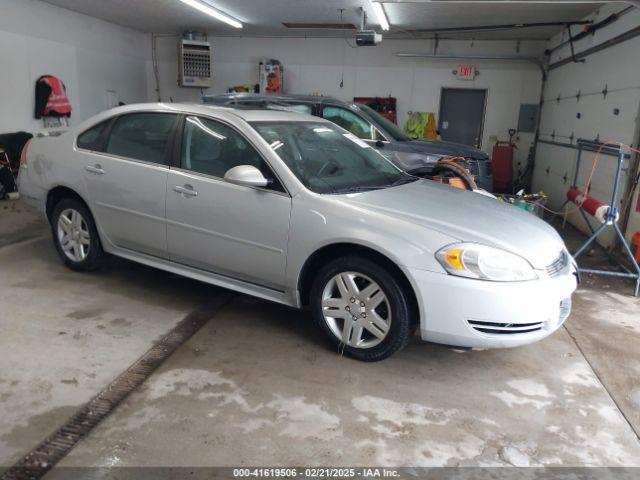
(466, 72)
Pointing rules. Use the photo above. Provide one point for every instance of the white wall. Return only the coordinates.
(91, 56)
(315, 65)
(619, 69)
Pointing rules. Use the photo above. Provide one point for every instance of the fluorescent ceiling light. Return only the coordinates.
(212, 12)
(382, 17)
(513, 1)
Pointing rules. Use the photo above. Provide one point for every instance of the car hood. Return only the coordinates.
(447, 148)
(466, 216)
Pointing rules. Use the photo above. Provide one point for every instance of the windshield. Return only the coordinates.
(327, 159)
(389, 127)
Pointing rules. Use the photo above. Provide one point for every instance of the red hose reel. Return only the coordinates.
(590, 205)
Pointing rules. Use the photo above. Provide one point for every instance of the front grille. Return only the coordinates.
(472, 166)
(478, 167)
(558, 264)
(505, 328)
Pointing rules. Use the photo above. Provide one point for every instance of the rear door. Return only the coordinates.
(126, 176)
(233, 230)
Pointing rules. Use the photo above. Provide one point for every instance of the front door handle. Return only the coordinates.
(97, 169)
(185, 190)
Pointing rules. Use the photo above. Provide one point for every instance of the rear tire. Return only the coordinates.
(75, 236)
(361, 308)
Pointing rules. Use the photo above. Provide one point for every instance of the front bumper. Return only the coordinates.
(482, 314)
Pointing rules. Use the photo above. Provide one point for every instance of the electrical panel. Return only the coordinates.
(194, 57)
(528, 118)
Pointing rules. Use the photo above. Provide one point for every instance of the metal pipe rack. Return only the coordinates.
(611, 217)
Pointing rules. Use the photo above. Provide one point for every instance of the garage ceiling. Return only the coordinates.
(265, 17)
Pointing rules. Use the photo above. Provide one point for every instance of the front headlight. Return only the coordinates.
(482, 262)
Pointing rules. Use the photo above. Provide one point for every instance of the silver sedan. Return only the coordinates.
(294, 209)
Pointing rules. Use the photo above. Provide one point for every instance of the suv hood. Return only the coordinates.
(447, 148)
(466, 216)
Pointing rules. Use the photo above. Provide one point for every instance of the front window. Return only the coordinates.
(213, 148)
(391, 128)
(377, 136)
(349, 121)
(326, 159)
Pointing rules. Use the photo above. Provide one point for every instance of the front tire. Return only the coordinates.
(75, 236)
(362, 308)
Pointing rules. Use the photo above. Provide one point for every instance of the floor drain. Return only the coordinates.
(45, 456)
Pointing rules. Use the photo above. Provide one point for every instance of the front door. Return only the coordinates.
(232, 230)
(126, 176)
(462, 115)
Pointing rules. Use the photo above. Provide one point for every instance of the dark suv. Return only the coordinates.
(416, 157)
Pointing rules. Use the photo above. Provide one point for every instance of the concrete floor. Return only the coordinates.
(18, 223)
(65, 335)
(258, 386)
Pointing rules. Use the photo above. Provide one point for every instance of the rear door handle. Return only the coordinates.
(186, 190)
(97, 169)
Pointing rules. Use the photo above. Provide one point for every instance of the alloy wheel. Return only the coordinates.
(356, 310)
(73, 235)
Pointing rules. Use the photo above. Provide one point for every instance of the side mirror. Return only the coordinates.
(379, 144)
(246, 175)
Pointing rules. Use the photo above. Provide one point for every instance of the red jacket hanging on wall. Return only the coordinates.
(51, 98)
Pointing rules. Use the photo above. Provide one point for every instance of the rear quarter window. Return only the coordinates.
(92, 139)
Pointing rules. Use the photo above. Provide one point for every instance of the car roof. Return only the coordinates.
(249, 115)
(262, 115)
(257, 97)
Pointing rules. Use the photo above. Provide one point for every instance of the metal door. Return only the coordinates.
(462, 115)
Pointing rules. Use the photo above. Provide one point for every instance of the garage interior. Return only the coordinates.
(557, 89)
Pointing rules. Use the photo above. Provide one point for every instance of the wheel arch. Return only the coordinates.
(58, 193)
(336, 250)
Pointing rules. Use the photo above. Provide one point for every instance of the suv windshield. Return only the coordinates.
(388, 126)
(327, 159)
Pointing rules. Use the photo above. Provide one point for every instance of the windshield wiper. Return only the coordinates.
(357, 189)
(403, 180)
(420, 171)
